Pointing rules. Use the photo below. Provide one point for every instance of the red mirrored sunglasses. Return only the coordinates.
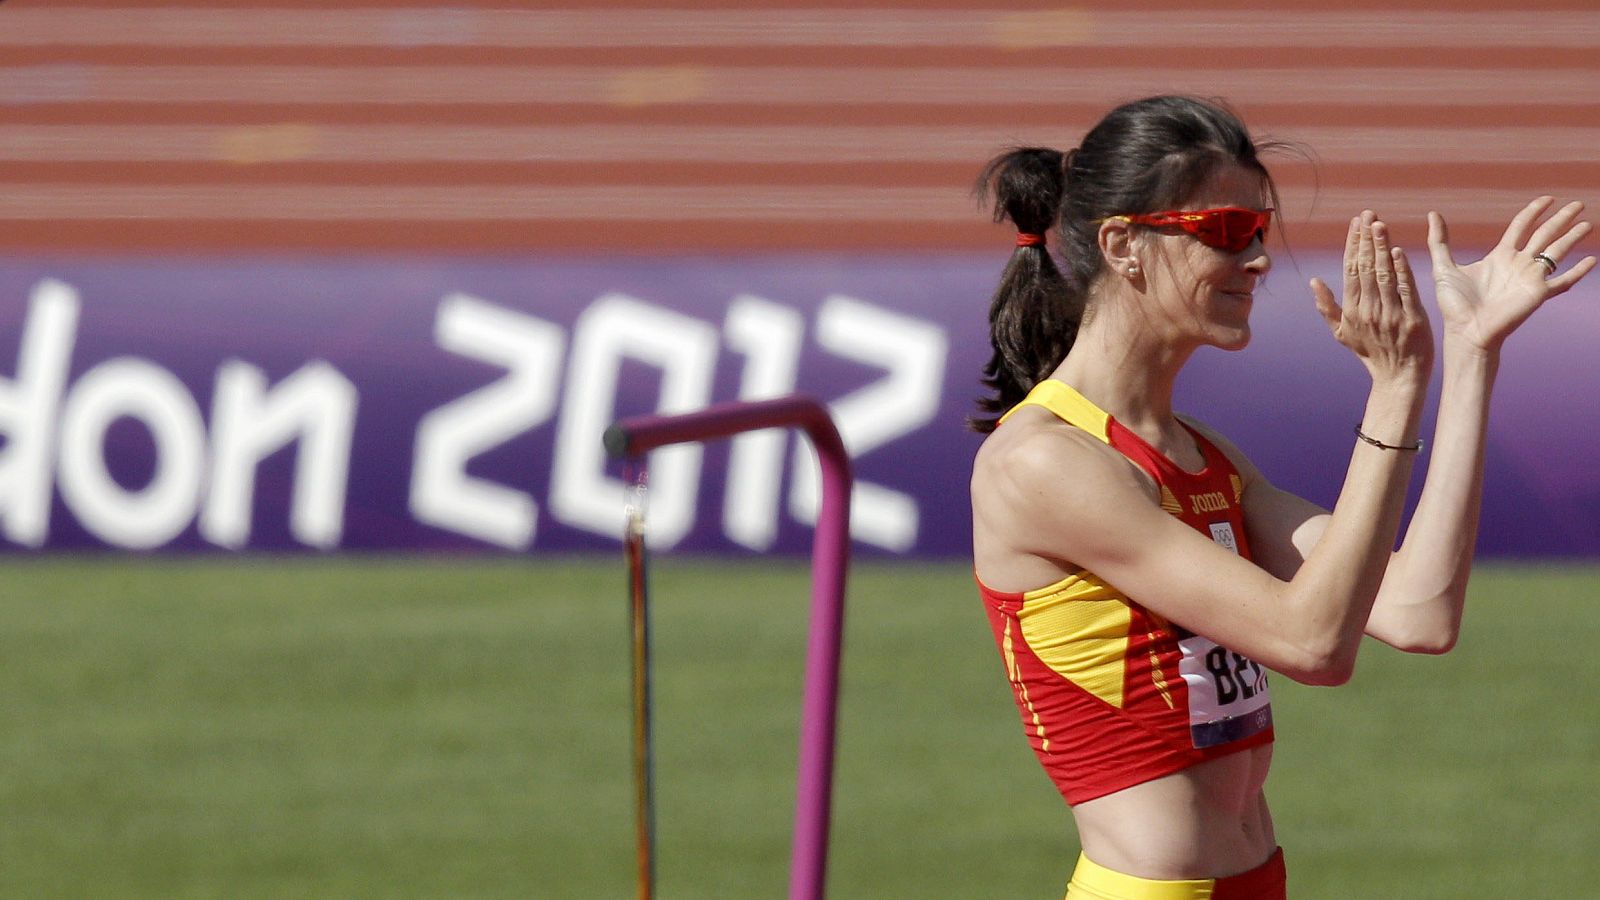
(1229, 228)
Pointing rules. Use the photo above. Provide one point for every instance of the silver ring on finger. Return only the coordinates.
(1548, 263)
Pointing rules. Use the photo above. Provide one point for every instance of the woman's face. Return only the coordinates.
(1204, 294)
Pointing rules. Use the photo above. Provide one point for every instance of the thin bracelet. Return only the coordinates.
(1382, 446)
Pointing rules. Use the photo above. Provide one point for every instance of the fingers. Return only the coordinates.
(1326, 305)
(1559, 247)
(1378, 281)
(1553, 240)
(1381, 319)
(1557, 244)
(1406, 283)
(1399, 305)
(1439, 243)
(1383, 275)
(1393, 292)
(1367, 290)
(1373, 285)
(1544, 239)
(1564, 282)
(1352, 266)
(1521, 228)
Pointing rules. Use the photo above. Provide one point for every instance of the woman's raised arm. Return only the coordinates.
(1419, 607)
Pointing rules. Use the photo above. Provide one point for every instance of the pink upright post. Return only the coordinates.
(830, 557)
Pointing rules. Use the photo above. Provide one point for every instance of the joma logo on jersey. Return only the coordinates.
(1212, 502)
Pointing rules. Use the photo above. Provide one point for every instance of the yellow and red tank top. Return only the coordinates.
(1111, 694)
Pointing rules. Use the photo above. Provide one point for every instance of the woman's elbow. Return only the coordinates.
(1429, 641)
(1329, 674)
(1431, 628)
(1327, 665)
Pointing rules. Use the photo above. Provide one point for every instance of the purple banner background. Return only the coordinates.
(1288, 400)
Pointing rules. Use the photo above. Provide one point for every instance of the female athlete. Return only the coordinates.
(1141, 576)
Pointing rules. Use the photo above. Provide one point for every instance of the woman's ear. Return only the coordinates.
(1119, 249)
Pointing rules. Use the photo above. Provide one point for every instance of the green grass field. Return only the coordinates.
(379, 727)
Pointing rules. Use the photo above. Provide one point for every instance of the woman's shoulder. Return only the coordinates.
(1032, 436)
(1036, 456)
(1043, 492)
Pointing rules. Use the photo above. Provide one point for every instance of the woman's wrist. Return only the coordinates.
(1413, 447)
(1458, 348)
(1403, 381)
(1394, 409)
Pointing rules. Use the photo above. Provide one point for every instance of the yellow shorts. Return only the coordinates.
(1091, 881)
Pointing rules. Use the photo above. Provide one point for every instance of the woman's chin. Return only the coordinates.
(1233, 339)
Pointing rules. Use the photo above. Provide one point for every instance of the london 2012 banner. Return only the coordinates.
(457, 404)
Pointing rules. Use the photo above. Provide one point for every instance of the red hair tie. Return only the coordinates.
(1024, 239)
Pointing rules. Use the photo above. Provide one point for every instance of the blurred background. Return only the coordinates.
(311, 316)
(434, 249)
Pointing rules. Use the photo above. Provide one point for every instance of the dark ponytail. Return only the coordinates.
(1143, 156)
(1034, 316)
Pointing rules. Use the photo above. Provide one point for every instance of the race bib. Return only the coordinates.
(1228, 697)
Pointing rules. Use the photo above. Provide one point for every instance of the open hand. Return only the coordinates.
(1382, 320)
(1483, 302)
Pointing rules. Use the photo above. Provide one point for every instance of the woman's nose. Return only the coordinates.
(1256, 258)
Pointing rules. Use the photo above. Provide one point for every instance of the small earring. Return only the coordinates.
(1133, 270)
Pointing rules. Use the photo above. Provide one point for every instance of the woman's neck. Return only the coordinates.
(1130, 374)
